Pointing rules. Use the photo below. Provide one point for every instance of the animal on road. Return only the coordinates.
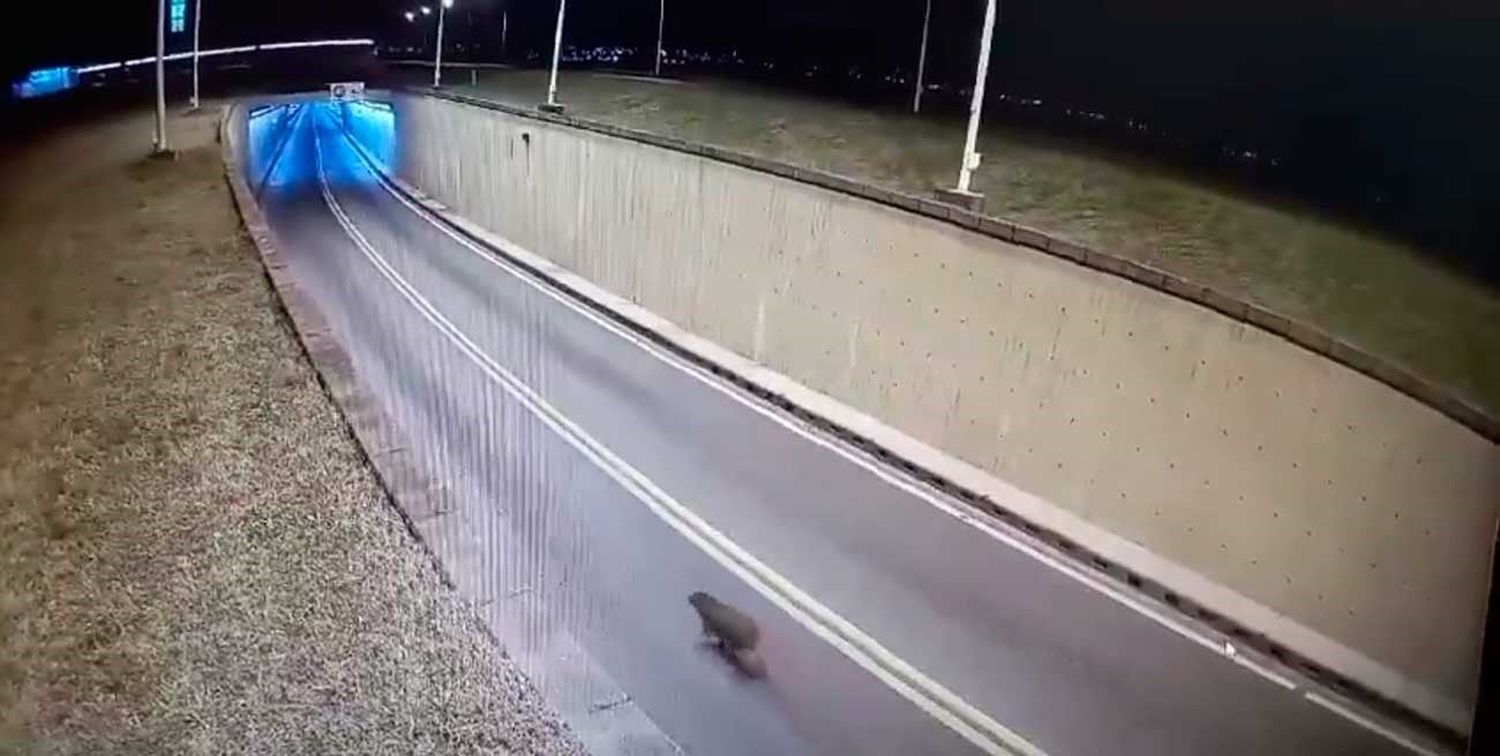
(732, 632)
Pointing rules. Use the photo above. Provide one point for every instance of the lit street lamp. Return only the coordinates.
(961, 194)
(410, 16)
(437, 64)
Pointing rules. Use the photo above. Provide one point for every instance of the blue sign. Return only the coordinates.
(45, 81)
(177, 16)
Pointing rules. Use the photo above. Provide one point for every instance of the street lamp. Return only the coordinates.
(197, 26)
(410, 16)
(551, 105)
(661, 23)
(426, 11)
(160, 147)
(437, 64)
(916, 98)
(504, 30)
(961, 194)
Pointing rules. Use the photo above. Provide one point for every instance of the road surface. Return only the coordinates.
(558, 435)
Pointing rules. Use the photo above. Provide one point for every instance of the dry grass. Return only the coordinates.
(1373, 291)
(193, 554)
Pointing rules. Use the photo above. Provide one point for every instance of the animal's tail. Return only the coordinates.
(749, 662)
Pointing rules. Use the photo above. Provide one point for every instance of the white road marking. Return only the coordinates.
(926, 693)
(1370, 724)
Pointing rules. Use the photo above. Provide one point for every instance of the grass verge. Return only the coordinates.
(194, 555)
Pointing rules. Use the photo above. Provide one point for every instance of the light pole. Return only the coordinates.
(661, 24)
(916, 98)
(161, 79)
(961, 194)
(437, 64)
(197, 27)
(551, 105)
(504, 30)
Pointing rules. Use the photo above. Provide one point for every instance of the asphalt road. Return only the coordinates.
(587, 583)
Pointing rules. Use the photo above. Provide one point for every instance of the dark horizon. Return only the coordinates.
(1381, 111)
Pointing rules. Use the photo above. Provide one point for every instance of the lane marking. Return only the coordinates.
(280, 150)
(927, 694)
(1025, 544)
(1370, 724)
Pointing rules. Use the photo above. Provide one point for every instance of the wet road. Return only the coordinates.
(559, 436)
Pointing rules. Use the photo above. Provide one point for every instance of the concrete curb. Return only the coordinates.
(1304, 335)
(1295, 648)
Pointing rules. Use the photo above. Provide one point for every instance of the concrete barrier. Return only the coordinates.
(1303, 484)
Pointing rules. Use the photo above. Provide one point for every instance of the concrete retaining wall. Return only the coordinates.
(1303, 484)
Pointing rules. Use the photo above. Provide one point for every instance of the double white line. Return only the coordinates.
(927, 694)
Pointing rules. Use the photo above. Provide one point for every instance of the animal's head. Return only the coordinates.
(699, 599)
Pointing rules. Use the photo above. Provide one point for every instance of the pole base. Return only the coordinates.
(163, 153)
(555, 108)
(971, 201)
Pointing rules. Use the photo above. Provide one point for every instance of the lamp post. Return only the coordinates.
(552, 105)
(916, 98)
(437, 64)
(197, 28)
(961, 194)
(661, 25)
(160, 148)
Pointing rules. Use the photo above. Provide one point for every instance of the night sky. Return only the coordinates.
(1387, 110)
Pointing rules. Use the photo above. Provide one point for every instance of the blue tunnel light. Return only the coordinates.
(45, 81)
